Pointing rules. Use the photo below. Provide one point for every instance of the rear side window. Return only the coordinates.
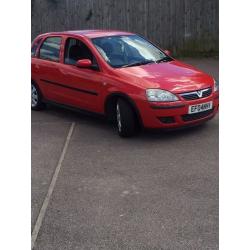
(34, 47)
(50, 49)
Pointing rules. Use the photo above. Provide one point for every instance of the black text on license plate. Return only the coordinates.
(200, 107)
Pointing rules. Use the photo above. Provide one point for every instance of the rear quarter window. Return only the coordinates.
(50, 49)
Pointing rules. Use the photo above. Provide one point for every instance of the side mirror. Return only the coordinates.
(168, 52)
(84, 63)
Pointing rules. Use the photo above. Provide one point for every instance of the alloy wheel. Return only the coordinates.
(34, 96)
(118, 117)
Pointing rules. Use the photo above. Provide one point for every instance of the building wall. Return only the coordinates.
(187, 27)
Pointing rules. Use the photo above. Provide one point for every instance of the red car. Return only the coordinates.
(122, 76)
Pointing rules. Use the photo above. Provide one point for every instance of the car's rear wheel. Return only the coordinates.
(36, 98)
(126, 119)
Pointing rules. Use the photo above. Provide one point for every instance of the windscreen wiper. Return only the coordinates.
(164, 59)
(138, 63)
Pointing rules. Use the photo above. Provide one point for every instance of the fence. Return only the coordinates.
(187, 27)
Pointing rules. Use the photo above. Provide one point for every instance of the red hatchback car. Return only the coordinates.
(120, 75)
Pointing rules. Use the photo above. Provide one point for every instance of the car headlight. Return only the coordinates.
(216, 86)
(159, 95)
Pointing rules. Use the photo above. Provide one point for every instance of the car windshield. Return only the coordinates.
(128, 51)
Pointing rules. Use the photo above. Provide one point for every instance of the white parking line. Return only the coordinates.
(49, 123)
(51, 188)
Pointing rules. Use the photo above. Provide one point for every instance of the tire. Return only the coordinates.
(36, 98)
(126, 119)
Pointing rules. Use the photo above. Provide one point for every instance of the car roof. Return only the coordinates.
(91, 33)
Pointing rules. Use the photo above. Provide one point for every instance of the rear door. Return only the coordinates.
(46, 66)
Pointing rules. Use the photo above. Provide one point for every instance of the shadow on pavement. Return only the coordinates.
(99, 122)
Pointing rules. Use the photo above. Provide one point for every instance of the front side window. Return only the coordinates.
(76, 50)
(128, 51)
(50, 49)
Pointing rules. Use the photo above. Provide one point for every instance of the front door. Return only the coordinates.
(82, 87)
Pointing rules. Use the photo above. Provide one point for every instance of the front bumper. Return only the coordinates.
(175, 114)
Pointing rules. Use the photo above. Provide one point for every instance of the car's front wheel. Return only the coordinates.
(36, 98)
(126, 119)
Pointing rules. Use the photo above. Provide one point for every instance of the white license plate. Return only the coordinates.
(200, 107)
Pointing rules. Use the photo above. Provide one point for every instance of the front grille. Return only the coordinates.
(167, 119)
(196, 116)
(196, 94)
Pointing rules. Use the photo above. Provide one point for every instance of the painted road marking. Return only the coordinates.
(51, 188)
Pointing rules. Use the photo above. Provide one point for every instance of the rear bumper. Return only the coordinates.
(175, 115)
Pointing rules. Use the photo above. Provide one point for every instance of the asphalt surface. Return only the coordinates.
(158, 190)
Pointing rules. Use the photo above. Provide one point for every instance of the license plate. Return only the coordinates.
(200, 107)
